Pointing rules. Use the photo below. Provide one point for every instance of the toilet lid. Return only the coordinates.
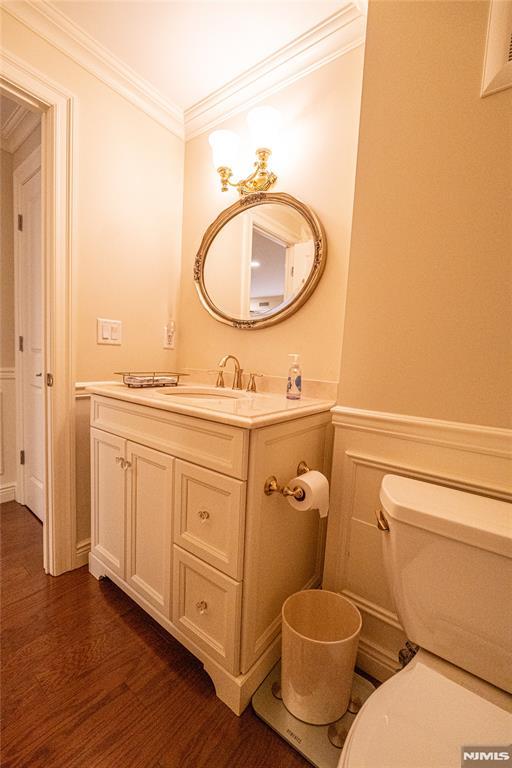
(422, 719)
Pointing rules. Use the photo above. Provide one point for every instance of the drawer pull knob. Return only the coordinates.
(202, 606)
(123, 462)
(203, 515)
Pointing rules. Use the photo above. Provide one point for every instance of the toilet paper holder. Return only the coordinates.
(272, 486)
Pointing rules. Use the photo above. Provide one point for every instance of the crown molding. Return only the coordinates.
(18, 128)
(335, 36)
(338, 34)
(53, 26)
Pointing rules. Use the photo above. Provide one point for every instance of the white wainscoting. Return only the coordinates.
(7, 434)
(368, 445)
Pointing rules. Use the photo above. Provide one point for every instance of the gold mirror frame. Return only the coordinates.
(251, 201)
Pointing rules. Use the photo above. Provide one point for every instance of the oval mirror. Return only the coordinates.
(260, 260)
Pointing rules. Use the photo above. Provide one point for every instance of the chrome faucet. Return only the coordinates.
(237, 377)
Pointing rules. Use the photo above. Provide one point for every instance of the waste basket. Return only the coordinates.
(319, 646)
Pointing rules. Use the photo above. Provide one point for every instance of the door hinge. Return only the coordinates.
(49, 380)
(293, 271)
(22, 457)
(20, 222)
(20, 343)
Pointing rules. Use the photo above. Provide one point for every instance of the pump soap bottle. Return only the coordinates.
(294, 386)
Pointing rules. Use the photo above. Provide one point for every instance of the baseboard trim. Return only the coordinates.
(376, 660)
(82, 552)
(7, 492)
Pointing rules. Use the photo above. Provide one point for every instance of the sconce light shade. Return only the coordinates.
(224, 146)
(264, 124)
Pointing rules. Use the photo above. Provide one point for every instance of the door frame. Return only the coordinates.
(58, 147)
(20, 175)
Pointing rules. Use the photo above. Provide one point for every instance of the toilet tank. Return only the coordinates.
(448, 557)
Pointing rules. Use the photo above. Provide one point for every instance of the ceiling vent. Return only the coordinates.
(498, 50)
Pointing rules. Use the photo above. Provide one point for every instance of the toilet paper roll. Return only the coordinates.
(316, 492)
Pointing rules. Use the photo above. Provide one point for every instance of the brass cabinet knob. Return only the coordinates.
(202, 606)
(203, 515)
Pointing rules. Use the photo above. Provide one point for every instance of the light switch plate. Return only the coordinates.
(108, 331)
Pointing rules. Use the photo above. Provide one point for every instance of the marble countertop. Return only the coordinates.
(227, 406)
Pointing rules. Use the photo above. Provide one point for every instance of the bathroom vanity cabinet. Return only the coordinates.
(181, 523)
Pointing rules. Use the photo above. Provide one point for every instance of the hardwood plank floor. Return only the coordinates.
(88, 680)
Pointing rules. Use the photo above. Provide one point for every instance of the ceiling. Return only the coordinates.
(16, 123)
(187, 49)
(7, 107)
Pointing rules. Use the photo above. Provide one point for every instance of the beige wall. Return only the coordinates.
(315, 164)
(6, 264)
(429, 313)
(129, 203)
(129, 172)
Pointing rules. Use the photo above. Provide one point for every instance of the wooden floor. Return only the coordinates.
(89, 680)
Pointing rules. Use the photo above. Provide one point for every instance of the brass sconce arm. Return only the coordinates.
(261, 180)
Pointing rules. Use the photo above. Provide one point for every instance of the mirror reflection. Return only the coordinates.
(259, 261)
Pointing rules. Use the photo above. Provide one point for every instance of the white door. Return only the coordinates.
(108, 493)
(148, 523)
(30, 332)
(299, 261)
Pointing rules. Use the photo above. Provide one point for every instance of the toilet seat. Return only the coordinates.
(421, 718)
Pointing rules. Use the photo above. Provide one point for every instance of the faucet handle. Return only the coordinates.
(220, 379)
(251, 384)
(220, 376)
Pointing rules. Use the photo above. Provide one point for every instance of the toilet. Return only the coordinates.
(448, 557)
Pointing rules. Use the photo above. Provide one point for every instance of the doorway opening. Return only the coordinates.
(42, 225)
(22, 307)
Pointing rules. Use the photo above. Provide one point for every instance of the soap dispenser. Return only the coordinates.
(294, 386)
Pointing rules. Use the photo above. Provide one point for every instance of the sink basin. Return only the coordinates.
(203, 393)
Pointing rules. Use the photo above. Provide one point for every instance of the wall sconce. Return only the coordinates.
(263, 126)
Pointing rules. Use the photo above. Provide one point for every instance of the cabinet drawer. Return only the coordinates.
(209, 515)
(206, 607)
(217, 446)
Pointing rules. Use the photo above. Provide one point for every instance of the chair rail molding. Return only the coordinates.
(368, 445)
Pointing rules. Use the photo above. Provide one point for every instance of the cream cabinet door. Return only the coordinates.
(149, 475)
(108, 499)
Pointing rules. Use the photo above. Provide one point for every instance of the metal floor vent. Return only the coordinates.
(498, 49)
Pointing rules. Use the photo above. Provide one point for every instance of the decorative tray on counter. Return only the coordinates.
(150, 378)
